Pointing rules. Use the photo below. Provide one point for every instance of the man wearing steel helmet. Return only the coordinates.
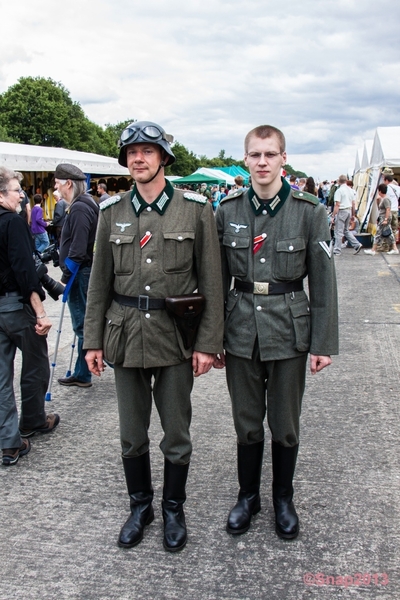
(153, 243)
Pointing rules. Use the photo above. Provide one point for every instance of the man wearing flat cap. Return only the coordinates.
(76, 245)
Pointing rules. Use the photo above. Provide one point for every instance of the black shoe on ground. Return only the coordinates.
(11, 455)
(51, 423)
(74, 381)
(358, 249)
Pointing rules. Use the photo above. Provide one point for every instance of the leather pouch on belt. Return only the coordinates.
(186, 312)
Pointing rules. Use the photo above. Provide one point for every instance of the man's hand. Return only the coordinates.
(219, 361)
(95, 362)
(43, 326)
(317, 363)
(202, 362)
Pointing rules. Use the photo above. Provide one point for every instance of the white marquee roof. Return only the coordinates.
(386, 148)
(21, 157)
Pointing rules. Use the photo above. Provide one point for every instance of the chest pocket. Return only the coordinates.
(237, 253)
(178, 251)
(123, 253)
(290, 259)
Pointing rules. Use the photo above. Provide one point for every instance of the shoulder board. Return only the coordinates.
(109, 202)
(236, 194)
(305, 196)
(193, 197)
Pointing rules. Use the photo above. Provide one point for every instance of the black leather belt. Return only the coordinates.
(268, 289)
(140, 302)
(7, 294)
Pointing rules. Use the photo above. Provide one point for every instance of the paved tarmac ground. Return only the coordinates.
(62, 505)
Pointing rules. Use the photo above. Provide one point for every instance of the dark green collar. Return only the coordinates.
(271, 206)
(160, 204)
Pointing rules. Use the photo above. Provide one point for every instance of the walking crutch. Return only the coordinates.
(69, 372)
(73, 267)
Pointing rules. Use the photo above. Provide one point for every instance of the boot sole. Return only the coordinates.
(122, 545)
(177, 549)
(286, 536)
(244, 529)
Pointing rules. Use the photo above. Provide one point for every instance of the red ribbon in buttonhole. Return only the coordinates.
(146, 238)
(258, 242)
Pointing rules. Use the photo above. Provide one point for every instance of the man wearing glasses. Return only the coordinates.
(153, 243)
(271, 238)
(24, 325)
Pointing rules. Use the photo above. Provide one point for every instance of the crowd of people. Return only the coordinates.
(180, 281)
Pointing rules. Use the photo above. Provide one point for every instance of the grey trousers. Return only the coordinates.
(274, 387)
(17, 330)
(342, 229)
(171, 388)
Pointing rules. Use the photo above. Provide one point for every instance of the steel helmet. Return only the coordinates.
(145, 131)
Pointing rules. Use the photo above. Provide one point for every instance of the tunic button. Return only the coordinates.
(262, 260)
(264, 212)
(291, 248)
(118, 241)
(180, 238)
(147, 288)
(259, 308)
(149, 209)
(148, 260)
(233, 244)
(147, 315)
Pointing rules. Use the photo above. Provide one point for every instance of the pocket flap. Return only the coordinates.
(235, 241)
(293, 245)
(299, 310)
(179, 236)
(118, 238)
(114, 318)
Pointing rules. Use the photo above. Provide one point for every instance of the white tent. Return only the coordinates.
(366, 157)
(21, 157)
(357, 163)
(385, 152)
(386, 148)
(361, 181)
(216, 173)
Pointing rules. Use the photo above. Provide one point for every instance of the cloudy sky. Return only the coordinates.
(326, 72)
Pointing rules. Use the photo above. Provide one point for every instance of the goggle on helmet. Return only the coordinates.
(145, 131)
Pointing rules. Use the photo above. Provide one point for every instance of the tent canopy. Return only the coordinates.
(386, 147)
(235, 170)
(366, 157)
(216, 173)
(198, 178)
(22, 157)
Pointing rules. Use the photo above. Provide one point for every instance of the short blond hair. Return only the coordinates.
(263, 132)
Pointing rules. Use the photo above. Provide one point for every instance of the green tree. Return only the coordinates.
(40, 111)
(291, 171)
(112, 134)
(186, 161)
(4, 137)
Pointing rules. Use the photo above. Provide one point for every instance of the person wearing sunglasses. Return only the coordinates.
(153, 243)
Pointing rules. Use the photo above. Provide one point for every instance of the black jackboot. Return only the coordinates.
(138, 481)
(174, 497)
(249, 460)
(283, 466)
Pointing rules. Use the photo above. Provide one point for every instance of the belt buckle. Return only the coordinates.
(261, 287)
(143, 303)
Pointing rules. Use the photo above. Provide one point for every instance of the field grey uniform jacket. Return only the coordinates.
(182, 255)
(297, 245)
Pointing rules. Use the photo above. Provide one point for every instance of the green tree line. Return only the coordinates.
(41, 112)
